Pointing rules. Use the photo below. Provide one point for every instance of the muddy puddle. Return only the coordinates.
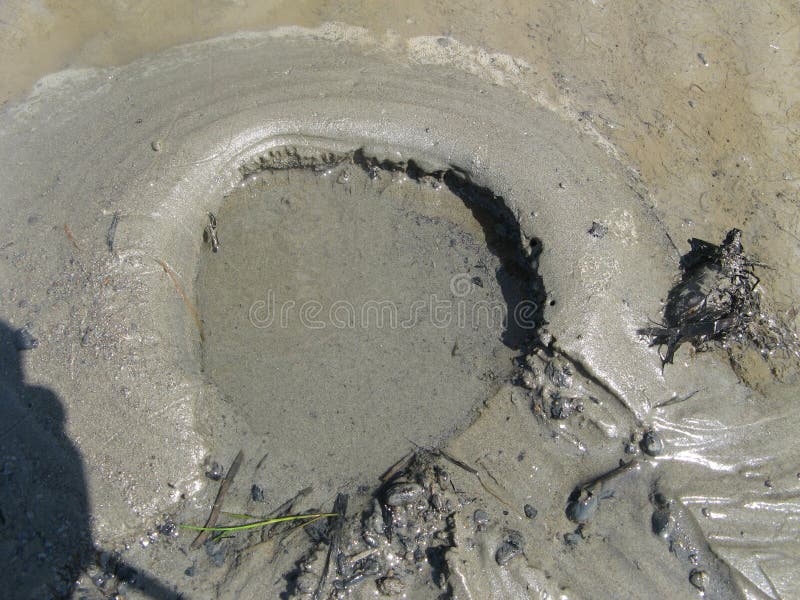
(351, 301)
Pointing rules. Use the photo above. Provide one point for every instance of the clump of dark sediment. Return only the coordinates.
(396, 546)
(718, 303)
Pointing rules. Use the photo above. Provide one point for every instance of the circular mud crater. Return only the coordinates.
(351, 311)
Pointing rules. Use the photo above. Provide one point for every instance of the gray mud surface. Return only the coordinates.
(132, 361)
(344, 305)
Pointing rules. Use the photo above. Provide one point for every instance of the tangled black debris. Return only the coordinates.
(717, 300)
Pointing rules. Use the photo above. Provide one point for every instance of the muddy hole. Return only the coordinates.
(355, 310)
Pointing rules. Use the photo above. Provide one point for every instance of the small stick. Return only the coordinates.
(71, 237)
(215, 510)
(476, 473)
(396, 467)
(459, 463)
(261, 462)
(675, 400)
(112, 232)
(622, 469)
(340, 508)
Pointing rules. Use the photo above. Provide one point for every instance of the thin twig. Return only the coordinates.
(71, 237)
(112, 232)
(340, 508)
(215, 510)
(396, 467)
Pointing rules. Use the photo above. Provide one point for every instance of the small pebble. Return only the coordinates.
(168, 528)
(529, 380)
(652, 443)
(256, 493)
(481, 518)
(583, 508)
(156, 145)
(215, 471)
(597, 230)
(512, 546)
(391, 586)
(699, 579)
(662, 522)
(530, 512)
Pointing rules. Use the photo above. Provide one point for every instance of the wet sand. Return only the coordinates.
(697, 110)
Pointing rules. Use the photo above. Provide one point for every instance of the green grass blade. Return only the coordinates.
(262, 523)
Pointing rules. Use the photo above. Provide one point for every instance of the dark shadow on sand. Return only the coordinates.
(44, 517)
(45, 534)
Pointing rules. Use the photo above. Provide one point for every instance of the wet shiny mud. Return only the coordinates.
(703, 115)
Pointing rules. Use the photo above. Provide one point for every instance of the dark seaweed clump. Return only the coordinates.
(717, 301)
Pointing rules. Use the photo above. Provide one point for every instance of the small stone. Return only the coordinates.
(156, 145)
(390, 586)
(530, 512)
(215, 471)
(583, 507)
(481, 518)
(597, 230)
(529, 380)
(512, 546)
(662, 522)
(699, 579)
(168, 528)
(257, 493)
(652, 443)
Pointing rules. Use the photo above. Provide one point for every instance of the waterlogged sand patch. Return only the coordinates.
(350, 313)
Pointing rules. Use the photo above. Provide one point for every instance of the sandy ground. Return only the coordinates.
(696, 102)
